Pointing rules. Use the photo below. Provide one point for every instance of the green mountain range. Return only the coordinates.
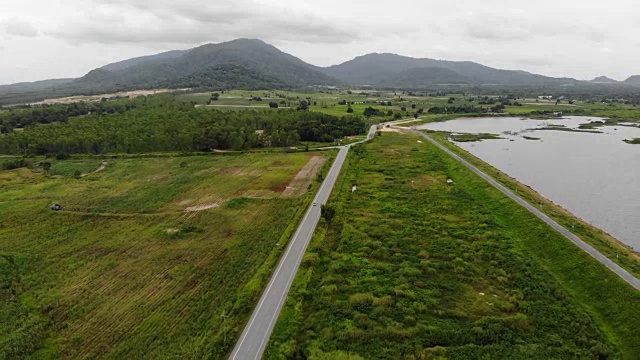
(254, 64)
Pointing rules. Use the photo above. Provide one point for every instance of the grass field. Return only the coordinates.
(416, 267)
(130, 268)
(603, 242)
(327, 102)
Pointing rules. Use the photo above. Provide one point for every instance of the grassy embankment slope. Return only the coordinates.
(124, 271)
(605, 243)
(415, 267)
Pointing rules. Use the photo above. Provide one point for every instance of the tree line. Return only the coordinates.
(46, 114)
(161, 123)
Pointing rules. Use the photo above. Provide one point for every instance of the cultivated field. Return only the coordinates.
(331, 102)
(417, 266)
(151, 257)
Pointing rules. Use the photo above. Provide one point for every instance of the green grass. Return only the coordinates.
(603, 242)
(68, 168)
(123, 271)
(415, 267)
(473, 137)
(327, 102)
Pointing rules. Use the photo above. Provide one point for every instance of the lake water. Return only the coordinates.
(594, 176)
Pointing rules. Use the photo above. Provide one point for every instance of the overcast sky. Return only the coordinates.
(43, 39)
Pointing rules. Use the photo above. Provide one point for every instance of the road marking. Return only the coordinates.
(322, 193)
(273, 277)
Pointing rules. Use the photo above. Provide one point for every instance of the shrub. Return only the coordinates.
(15, 164)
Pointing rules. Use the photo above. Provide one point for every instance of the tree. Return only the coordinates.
(304, 106)
(328, 212)
(390, 113)
(350, 109)
(413, 106)
(403, 108)
(370, 111)
(273, 105)
(215, 96)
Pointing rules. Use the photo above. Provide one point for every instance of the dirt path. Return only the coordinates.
(103, 165)
(301, 181)
(202, 207)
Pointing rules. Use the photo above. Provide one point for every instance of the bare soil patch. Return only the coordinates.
(96, 98)
(300, 183)
(202, 207)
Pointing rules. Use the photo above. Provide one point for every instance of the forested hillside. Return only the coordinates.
(161, 123)
(403, 71)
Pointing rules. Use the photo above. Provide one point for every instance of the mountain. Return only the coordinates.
(32, 90)
(254, 64)
(121, 65)
(241, 63)
(425, 76)
(633, 80)
(604, 80)
(394, 70)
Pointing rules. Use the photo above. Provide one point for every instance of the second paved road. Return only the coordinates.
(622, 273)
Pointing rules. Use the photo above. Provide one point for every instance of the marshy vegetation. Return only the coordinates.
(415, 266)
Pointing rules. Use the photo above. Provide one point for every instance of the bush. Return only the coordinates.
(15, 164)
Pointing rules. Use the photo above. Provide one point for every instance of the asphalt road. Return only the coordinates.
(255, 336)
(622, 273)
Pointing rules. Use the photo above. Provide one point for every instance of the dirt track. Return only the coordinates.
(301, 181)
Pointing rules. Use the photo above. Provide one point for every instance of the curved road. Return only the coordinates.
(624, 274)
(255, 336)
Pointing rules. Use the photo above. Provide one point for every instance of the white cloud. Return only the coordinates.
(192, 22)
(18, 27)
(549, 37)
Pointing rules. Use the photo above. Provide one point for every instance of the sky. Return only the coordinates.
(45, 39)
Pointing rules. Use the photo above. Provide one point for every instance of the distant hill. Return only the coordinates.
(425, 76)
(32, 90)
(394, 70)
(633, 80)
(254, 64)
(243, 63)
(604, 80)
(121, 65)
